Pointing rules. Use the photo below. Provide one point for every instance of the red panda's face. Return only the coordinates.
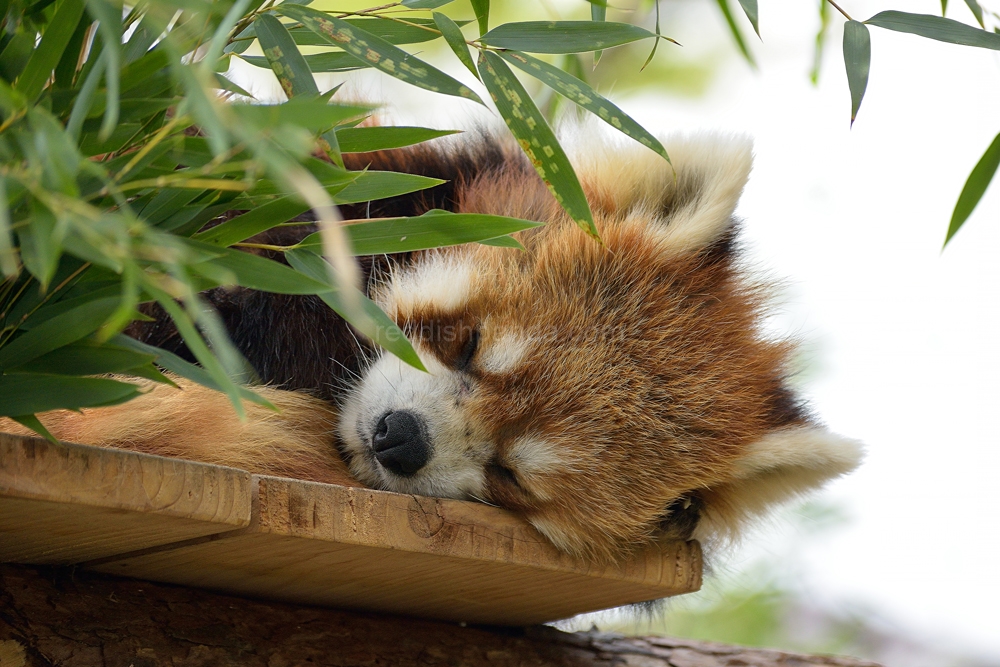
(593, 388)
(560, 382)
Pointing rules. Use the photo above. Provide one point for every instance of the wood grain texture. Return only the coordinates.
(70, 503)
(50, 616)
(428, 557)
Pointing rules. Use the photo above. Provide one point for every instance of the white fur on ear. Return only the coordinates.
(693, 197)
(776, 468)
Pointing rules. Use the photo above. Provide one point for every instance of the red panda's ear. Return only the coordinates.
(780, 466)
(689, 202)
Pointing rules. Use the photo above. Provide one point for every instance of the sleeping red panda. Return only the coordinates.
(611, 394)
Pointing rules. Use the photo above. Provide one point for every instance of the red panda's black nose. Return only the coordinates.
(400, 444)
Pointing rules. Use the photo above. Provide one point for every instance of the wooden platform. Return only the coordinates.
(223, 529)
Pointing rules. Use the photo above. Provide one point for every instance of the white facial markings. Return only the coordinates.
(458, 449)
(441, 279)
(504, 353)
(534, 454)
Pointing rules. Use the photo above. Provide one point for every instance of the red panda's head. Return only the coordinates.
(603, 391)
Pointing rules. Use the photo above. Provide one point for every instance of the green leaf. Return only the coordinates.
(735, 30)
(820, 41)
(414, 31)
(656, 42)
(254, 221)
(536, 138)
(218, 364)
(857, 59)
(335, 61)
(944, 6)
(425, 4)
(381, 54)
(143, 37)
(41, 244)
(974, 188)
(53, 333)
(50, 49)
(260, 273)
(936, 27)
(372, 185)
(599, 12)
(579, 92)
(482, 10)
(313, 114)
(291, 69)
(750, 9)
(109, 25)
(563, 36)
(31, 421)
(9, 264)
(28, 393)
(15, 55)
(456, 41)
(977, 11)
(178, 366)
(434, 229)
(503, 242)
(367, 139)
(376, 325)
(86, 358)
(283, 55)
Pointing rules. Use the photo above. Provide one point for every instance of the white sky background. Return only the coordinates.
(905, 336)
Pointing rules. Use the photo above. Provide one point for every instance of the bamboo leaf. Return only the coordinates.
(974, 188)
(28, 393)
(283, 55)
(9, 261)
(31, 421)
(456, 41)
(414, 31)
(536, 138)
(599, 12)
(563, 36)
(857, 59)
(482, 10)
(503, 242)
(372, 185)
(936, 27)
(86, 358)
(109, 24)
(977, 11)
(820, 41)
(381, 54)
(313, 114)
(178, 366)
(41, 244)
(291, 69)
(727, 13)
(367, 139)
(50, 49)
(434, 229)
(217, 367)
(377, 326)
(582, 94)
(260, 273)
(53, 333)
(425, 4)
(750, 9)
(254, 221)
(335, 61)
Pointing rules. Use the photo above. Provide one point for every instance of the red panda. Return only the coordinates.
(611, 393)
